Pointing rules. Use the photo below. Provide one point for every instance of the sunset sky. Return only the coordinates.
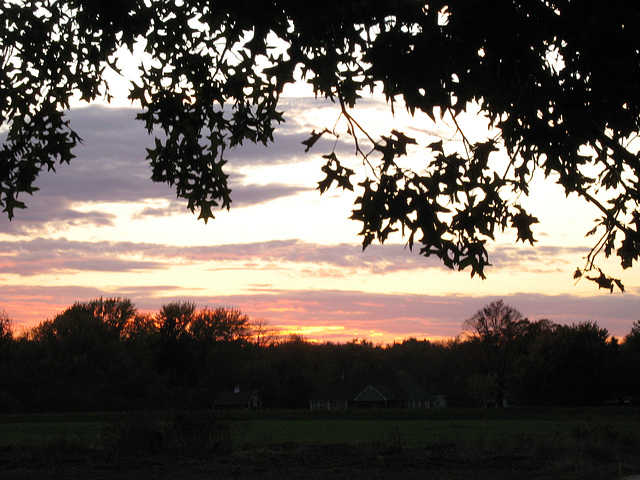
(285, 254)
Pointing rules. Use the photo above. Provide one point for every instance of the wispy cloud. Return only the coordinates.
(542, 257)
(45, 255)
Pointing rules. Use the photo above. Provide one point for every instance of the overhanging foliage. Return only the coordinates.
(555, 79)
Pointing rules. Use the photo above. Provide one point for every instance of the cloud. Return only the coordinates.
(242, 196)
(113, 135)
(110, 167)
(287, 147)
(46, 213)
(544, 258)
(345, 258)
(43, 255)
(46, 255)
(248, 195)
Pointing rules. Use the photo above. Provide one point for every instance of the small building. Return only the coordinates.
(237, 400)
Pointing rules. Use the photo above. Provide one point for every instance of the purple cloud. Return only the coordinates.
(110, 167)
(44, 255)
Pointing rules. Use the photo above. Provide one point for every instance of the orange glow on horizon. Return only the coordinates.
(31, 314)
(340, 334)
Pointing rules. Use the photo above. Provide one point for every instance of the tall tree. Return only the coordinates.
(114, 313)
(108, 315)
(79, 358)
(174, 320)
(550, 77)
(175, 357)
(497, 327)
(6, 333)
(220, 324)
(571, 365)
(6, 326)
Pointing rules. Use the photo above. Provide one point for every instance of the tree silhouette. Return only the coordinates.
(497, 327)
(552, 79)
(6, 333)
(174, 320)
(115, 313)
(220, 324)
(571, 365)
(6, 326)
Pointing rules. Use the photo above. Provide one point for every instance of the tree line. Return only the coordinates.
(104, 354)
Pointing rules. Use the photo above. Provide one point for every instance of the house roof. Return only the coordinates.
(234, 398)
(371, 393)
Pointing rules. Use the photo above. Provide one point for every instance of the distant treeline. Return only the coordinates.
(106, 355)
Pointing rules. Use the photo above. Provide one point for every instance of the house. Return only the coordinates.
(388, 392)
(237, 400)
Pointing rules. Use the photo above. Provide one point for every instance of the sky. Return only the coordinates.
(283, 253)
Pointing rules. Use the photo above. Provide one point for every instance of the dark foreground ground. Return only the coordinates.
(289, 461)
(450, 444)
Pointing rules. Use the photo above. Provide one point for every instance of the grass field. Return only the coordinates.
(448, 443)
(471, 427)
(421, 431)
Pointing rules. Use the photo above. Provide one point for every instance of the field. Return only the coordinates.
(447, 443)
